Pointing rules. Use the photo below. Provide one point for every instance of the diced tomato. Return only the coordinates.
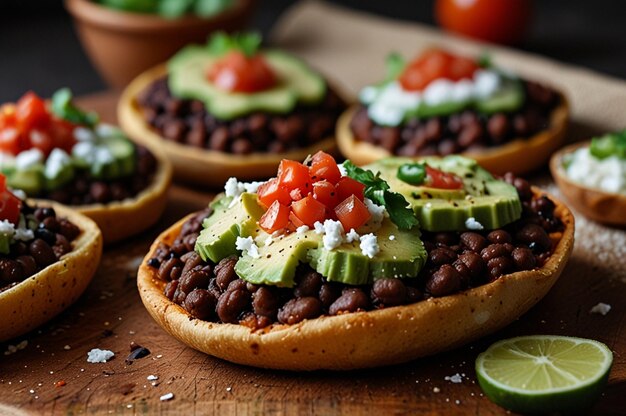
(309, 210)
(31, 112)
(294, 175)
(442, 180)
(294, 222)
(462, 68)
(348, 186)
(42, 140)
(323, 166)
(10, 207)
(352, 213)
(275, 218)
(240, 73)
(271, 191)
(63, 133)
(434, 64)
(10, 140)
(326, 193)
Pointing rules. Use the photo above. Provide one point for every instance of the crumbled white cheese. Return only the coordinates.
(472, 224)
(607, 174)
(97, 355)
(57, 160)
(83, 134)
(23, 234)
(318, 227)
(28, 158)
(103, 155)
(7, 228)
(234, 188)
(376, 211)
(342, 169)
(302, 229)
(107, 130)
(6, 159)
(83, 150)
(456, 378)
(333, 234)
(247, 246)
(152, 377)
(392, 237)
(166, 397)
(268, 241)
(601, 308)
(19, 194)
(369, 245)
(352, 236)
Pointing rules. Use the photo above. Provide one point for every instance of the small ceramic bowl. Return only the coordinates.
(121, 44)
(604, 207)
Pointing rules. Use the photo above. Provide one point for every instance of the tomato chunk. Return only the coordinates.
(352, 213)
(271, 191)
(308, 210)
(326, 193)
(275, 218)
(31, 111)
(10, 207)
(434, 64)
(240, 73)
(443, 180)
(294, 175)
(324, 167)
(348, 186)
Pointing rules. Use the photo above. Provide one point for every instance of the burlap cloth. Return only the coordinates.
(350, 48)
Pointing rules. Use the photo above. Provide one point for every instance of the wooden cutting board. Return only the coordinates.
(110, 316)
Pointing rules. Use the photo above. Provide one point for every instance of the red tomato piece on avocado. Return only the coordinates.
(309, 211)
(442, 180)
(435, 64)
(326, 193)
(324, 166)
(240, 73)
(348, 186)
(271, 191)
(31, 112)
(10, 207)
(352, 213)
(275, 218)
(294, 175)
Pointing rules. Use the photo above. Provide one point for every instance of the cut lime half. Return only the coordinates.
(544, 373)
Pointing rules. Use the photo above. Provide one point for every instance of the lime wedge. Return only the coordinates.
(544, 373)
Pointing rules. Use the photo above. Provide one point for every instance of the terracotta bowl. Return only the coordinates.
(604, 207)
(121, 45)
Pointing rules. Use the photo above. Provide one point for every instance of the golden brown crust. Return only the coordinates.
(201, 166)
(122, 219)
(362, 339)
(604, 207)
(39, 298)
(518, 156)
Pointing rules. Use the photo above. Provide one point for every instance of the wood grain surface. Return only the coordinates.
(110, 316)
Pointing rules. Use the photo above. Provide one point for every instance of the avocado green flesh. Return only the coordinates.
(297, 83)
(29, 180)
(5, 244)
(508, 98)
(491, 202)
(402, 257)
(220, 230)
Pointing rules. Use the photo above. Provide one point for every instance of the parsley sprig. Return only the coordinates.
(377, 189)
(63, 107)
(221, 43)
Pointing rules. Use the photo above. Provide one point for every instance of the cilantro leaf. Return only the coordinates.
(484, 60)
(395, 64)
(221, 43)
(63, 107)
(377, 189)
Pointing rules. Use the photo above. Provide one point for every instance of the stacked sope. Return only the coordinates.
(53, 150)
(442, 103)
(231, 108)
(333, 266)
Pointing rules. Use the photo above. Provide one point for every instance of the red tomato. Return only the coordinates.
(240, 73)
(435, 64)
(326, 193)
(308, 210)
(500, 21)
(10, 140)
(294, 175)
(348, 186)
(461, 67)
(31, 112)
(294, 222)
(323, 166)
(275, 218)
(42, 140)
(10, 207)
(442, 180)
(271, 191)
(352, 213)
(63, 133)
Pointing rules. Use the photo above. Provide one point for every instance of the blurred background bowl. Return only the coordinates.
(122, 44)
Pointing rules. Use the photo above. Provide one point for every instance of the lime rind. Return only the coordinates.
(572, 385)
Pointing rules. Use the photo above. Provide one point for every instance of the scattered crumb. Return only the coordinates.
(152, 377)
(456, 378)
(60, 383)
(436, 389)
(229, 389)
(97, 355)
(166, 397)
(601, 308)
(67, 347)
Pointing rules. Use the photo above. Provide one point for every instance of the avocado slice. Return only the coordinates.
(509, 97)
(401, 255)
(491, 202)
(30, 180)
(227, 222)
(297, 83)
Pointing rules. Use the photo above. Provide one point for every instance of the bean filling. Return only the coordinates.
(466, 131)
(52, 239)
(456, 261)
(187, 122)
